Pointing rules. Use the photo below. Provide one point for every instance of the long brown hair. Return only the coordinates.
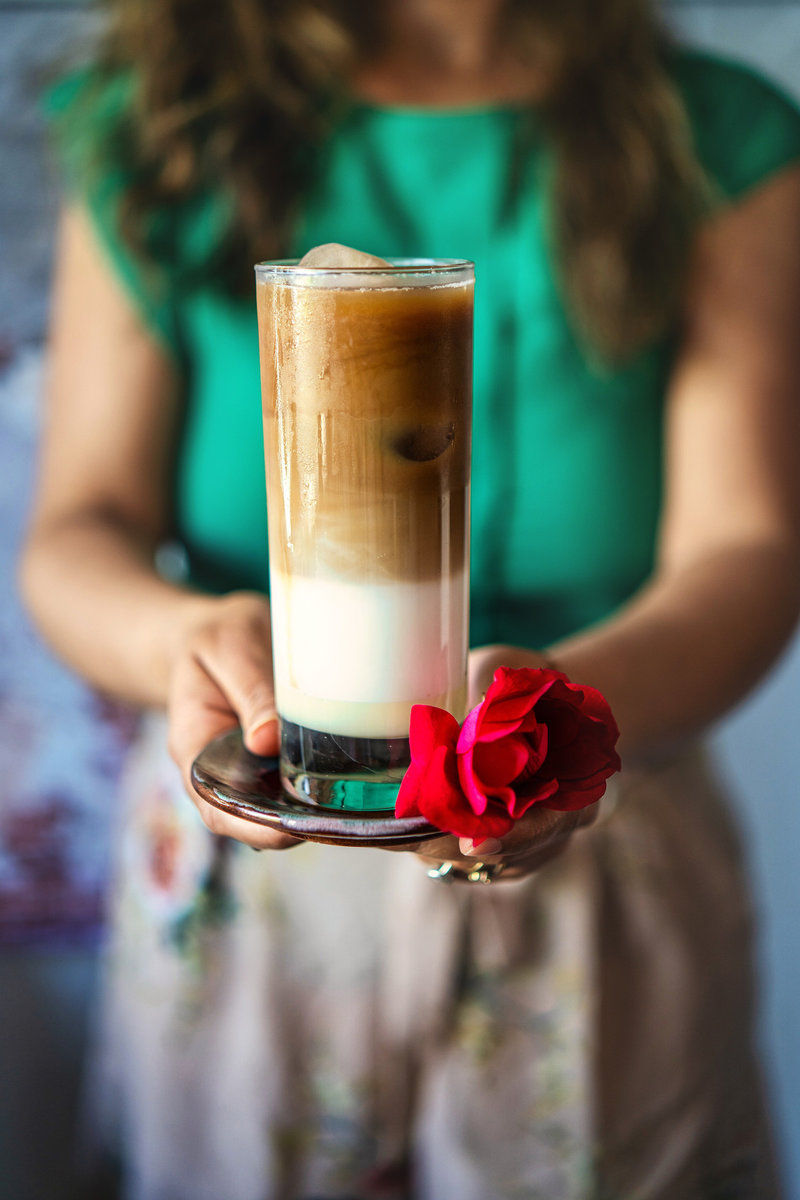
(237, 95)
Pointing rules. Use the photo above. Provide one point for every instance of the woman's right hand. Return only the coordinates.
(222, 677)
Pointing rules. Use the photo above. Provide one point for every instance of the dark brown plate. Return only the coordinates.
(228, 776)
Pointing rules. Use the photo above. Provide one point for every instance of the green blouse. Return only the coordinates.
(567, 455)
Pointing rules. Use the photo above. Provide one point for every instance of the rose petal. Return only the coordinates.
(430, 727)
(468, 734)
(515, 708)
(487, 769)
(513, 693)
(540, 793)
(407, 803)
(478, 727)
(537, 741)
(580, 743)
(470, 783)
(490, 730)
(442, 801)
(571, 801)
(510, 697)
(498, 763)
(597, 707)
(586, 761)
(438, 792)
(523, 682)
(494, 824)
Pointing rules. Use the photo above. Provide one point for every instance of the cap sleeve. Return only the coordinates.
(745, 128)
(86, 116)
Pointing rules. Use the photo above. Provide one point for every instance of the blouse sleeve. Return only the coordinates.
(84, 113)
(745, 129)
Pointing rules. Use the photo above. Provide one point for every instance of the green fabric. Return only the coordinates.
(745, 129)
(85, 114)
(567, 456)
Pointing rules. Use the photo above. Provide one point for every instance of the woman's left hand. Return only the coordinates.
(541, 835)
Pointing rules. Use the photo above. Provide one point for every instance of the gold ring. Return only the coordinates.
(481, 872)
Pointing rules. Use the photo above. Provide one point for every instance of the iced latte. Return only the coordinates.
(367, 387)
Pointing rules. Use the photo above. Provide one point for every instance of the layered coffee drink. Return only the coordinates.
(367, 388)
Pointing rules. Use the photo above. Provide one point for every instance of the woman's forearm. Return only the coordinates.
(688, 646)
(91, 586)
(685, 649)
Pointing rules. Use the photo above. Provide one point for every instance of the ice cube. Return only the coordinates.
(343, 258)
(424, 443)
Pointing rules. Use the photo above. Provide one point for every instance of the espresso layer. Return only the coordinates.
(367, 405)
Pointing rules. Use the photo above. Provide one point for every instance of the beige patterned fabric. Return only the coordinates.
(330, 1023)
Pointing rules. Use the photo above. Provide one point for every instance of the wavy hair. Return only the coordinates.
(239, 95)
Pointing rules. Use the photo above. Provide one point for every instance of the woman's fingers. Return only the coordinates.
(537, 830)
(538, 837)
(260, 837)
(236, 652)
(198, 712)
(223, 679)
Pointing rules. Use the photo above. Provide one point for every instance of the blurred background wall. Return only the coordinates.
(60, 746)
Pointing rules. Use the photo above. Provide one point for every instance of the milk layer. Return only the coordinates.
(352, 658)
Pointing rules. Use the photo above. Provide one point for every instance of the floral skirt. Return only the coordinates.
(327, 1023)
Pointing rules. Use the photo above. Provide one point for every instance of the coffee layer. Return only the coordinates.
(367, 406)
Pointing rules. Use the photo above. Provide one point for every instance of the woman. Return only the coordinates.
(334, 1023)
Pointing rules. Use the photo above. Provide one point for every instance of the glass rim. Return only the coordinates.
(434, 267)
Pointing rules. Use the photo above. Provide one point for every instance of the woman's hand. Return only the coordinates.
(222, 677)
(541, 835)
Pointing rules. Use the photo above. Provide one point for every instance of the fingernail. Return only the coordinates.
(261, 730)
(486, 846)
(262, 723)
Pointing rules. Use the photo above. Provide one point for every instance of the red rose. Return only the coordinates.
(536, 738)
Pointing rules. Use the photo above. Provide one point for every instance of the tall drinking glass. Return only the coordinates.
(367, 399)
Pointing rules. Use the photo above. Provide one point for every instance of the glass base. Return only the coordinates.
(336, 771)
(232, 779)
